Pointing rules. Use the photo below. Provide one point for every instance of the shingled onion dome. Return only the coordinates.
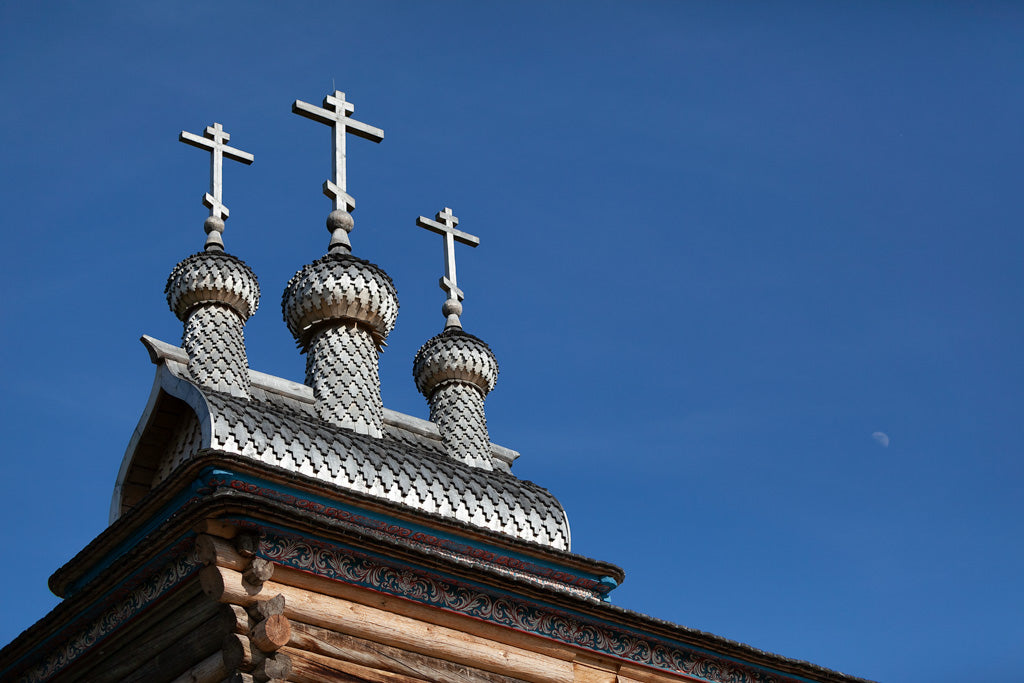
(214, 293)
(340, 309)
(455, 371)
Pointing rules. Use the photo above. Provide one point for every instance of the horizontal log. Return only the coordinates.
(237, 652)
(425, 613)
(226, 585)
(630, 673)
(216, 527)
(321, 641)
(237, 619)
(247, 543)
(312, 668)
(180, 655)
(210, 670)
(152, 631)
(216, 550)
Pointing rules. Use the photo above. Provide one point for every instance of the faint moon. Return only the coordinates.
(882, 438)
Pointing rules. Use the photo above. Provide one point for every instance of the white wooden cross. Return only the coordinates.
(444, 225)
(335, 113)
(213, 140)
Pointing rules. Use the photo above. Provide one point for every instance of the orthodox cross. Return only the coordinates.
(444, 225)
(336, 114)
(213, 139)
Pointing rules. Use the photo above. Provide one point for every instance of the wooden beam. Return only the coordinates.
(210, 670)
(157, 627)
(179, 656)
(426, 613)
(324, 642)
(312, 668)
(216, 550)
(226, 585)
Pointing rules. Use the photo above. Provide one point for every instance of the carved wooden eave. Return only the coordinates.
(528, 613)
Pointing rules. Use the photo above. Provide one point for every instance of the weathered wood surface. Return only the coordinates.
(148, 633)
(226, 555)
(275, 667)
(237, 652)
(210, 670)
(267, 607)
(216, 550)
(226, 585)
(258, 571)
(166, 664)
(216, 527)
(238, 619)
(310, 599)
(324, 642)
(312, 668)
(424, 613)
(272, 633)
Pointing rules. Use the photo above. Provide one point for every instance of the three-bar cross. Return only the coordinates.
(444, 225)
(336, 114)
(213, 140)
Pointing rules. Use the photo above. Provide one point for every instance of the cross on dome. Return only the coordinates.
(213, 140)
(444, 224)
(336, 114)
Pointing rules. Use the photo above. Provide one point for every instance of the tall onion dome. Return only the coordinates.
(455, 370)
(340, 309)
(213, 292)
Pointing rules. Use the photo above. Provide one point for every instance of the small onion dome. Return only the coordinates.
(339, 287)
(212, 277)
(454, 355)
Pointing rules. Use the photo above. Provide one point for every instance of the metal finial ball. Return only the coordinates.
(451, 306)
(339, 220)
(213, 224)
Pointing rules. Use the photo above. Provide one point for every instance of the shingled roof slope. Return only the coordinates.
(278, 426)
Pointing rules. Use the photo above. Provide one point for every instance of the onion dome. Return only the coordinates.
(336, 288)
(454, 356)
(212, 277)
(214, 293)
(455, 371)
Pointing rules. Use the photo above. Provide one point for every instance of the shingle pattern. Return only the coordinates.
(340, 309)
(455, 371)
(214, 293)
(212, 277)
(184, 443)
(341, 366)
(457, 409)
(215, 342)
(386, 469)
(454, 355)
(396, 433)
(339, 287)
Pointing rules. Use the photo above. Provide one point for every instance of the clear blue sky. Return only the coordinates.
(722, 245)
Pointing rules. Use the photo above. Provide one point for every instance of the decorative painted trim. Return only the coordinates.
(383, 526)
(443, 592)
(129, 599)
